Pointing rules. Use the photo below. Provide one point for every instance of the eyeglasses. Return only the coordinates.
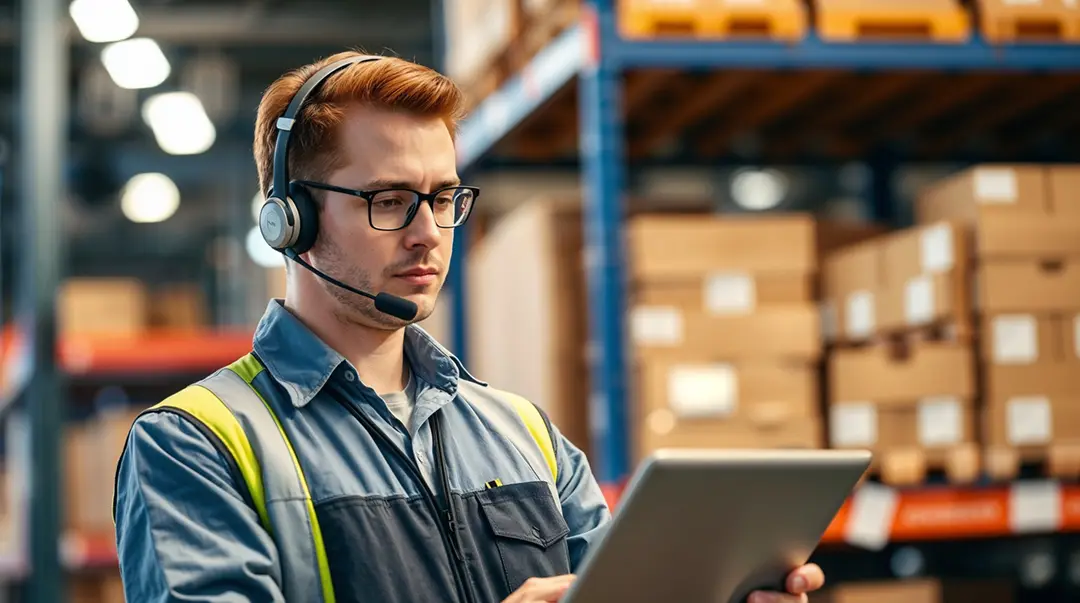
(395, 208)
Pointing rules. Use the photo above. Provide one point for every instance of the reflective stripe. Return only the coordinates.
(287, 501)
(538, 428)
(247, 368)
(203, 405)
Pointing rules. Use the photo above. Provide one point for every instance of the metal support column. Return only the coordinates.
(458, 286)
(44, 90)
(602, 161)
(883, 204)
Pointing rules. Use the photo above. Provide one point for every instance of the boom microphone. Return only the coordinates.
(395, 306)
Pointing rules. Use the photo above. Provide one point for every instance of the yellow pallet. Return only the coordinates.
(942, 21)
(785, 20)
(1005, 21)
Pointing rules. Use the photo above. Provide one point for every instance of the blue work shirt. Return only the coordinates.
(187, 532)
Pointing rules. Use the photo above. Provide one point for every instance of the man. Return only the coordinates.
(424, 483)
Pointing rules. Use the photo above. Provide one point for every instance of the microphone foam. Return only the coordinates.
(395, 306)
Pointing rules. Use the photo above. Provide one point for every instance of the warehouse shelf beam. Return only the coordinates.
(593, 57)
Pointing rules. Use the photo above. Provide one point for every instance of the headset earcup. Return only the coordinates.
(307, 217)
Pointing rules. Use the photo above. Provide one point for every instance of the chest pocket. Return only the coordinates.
(523, 532)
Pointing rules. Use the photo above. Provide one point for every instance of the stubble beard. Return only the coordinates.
(353, 309)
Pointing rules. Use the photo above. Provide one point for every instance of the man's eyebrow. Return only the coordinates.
(383, 183)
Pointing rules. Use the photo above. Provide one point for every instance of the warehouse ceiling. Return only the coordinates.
(227, 52)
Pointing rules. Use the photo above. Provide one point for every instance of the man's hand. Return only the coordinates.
(541, 590)
(807, 578)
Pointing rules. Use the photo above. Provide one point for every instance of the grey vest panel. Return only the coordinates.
(286, 502)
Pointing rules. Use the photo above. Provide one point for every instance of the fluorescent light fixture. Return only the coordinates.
(136, 63)
(101, 21)
(179, 123)
(261, 253)
(150, 197)
(758, 190)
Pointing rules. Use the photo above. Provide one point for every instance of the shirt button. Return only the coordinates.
(350, 376)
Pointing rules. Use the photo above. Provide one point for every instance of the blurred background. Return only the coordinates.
(707, 223)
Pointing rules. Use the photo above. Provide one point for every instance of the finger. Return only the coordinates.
(807, 578)
(771, 597)
(546, 589)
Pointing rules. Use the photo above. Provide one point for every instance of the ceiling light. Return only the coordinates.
(102, 21)
(758, 190)
(150, 197)
(136, 63)
(261, 253)
(179, 123)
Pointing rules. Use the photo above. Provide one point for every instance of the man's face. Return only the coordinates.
(386, 150)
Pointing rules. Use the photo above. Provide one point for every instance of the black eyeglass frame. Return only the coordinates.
(369, 195)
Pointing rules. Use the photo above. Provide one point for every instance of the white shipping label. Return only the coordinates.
(919, 300)
(995, 185)
(859, 319)
(657, 325)
(936, 249)
(1015, 339)
(873, 510)
(703, 390)
(853, 424)
(730, 293)
(1029, 420)
(941, 421)
(1035, 506)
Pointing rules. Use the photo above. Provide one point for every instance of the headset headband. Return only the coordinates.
(285, 123)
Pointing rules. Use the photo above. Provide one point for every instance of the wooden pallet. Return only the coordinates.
(1002, 22)
(768, 19)
(960, 464)
(941, 21)
(1061, 461)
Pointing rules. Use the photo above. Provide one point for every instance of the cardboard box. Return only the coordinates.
(902, 374)
(918, 590)
(792, 333)
(1028, 286)
(179, 306)
(754, 393)
(851, 281)
(103, 306)
(1032, 405)
(1065, 190)
(660, 430)
(667, 247)
(527, 304)
(931, 423)
(1012, 209)
(730, 292)
(1023, 338)
(926, 279)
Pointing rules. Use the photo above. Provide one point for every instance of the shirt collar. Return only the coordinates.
(302, 363)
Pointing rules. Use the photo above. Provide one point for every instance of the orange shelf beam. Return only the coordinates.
(881, 514)
(152, 352)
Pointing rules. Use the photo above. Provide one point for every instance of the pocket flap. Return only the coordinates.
(524, 512)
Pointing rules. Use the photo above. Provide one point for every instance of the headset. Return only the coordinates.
(289, 219)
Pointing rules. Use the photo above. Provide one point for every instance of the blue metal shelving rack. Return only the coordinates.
(593, 53)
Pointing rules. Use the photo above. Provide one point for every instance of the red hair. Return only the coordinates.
(389, 83)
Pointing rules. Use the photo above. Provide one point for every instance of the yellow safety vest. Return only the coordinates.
(235, 411)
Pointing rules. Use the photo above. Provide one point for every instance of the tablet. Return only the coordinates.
(712, 526)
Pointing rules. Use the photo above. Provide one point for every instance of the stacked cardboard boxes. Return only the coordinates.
(901, 363)
(527, 316)
(1025, 222)
(918, 590)
(725, 330)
